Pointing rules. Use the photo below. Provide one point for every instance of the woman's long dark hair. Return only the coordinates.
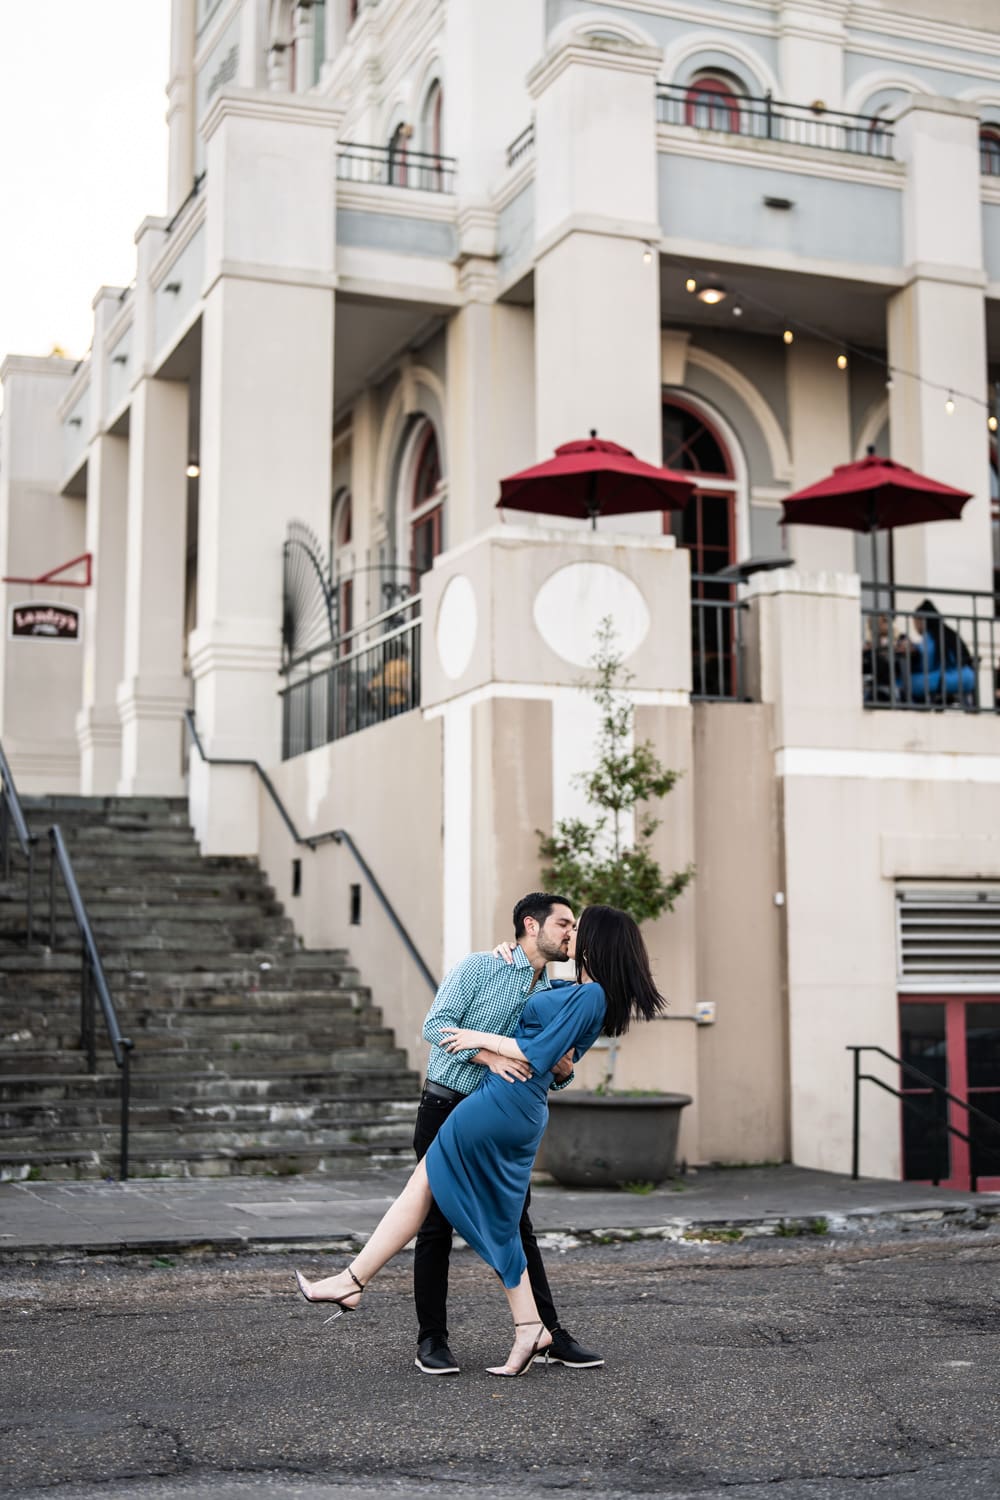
(953, 650)
(609, 946)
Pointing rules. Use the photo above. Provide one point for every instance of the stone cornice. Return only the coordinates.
(878, 53)
(618, 57)
(258, 104)
(955, 34)
(77, 388)
(245, 270)
(38, 364)
(922, 270)
(932, 104)
(737, 256)
(782, 156)
(645, 232)
(178, 241)
(410, 203)
(514, 182)
(120, 324)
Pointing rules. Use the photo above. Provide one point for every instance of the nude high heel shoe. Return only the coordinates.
(528, 1360)
(305, 1288)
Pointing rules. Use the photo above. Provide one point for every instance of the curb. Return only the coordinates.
(831, 1225)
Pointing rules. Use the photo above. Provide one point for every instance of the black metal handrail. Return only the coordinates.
(93, 980)
(769, 119)
(521, 146)
(12, 817)
(931, 1122)
(898, 669)
(314, 840)
(396, 166)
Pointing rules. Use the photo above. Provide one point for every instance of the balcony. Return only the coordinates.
(718, 671)
(767, 119)
(916, 656)
(397, 167)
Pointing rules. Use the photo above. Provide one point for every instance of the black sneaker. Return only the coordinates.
(435, 1358)
(564, 1350)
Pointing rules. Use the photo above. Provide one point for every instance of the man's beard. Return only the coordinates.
(552, 953)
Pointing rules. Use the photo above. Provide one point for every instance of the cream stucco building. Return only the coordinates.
(413, 245)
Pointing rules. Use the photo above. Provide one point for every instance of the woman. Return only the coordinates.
(941, 668)
(479, 1167)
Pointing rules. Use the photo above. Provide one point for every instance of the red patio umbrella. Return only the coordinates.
(874, 494)
(593, 477)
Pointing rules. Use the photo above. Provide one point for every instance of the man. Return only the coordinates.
(487, 994)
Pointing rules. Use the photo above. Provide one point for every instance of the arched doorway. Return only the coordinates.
(707, 529)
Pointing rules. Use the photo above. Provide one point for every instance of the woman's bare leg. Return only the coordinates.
(396, 1228)
(528, 1326)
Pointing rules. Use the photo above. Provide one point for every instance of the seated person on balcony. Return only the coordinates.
(389, 687)
(876, 661)
(941, 668)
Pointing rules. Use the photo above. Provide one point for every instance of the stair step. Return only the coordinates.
(209, 1088)
(272, 1161)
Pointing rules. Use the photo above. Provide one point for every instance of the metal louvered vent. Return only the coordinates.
(949, 939)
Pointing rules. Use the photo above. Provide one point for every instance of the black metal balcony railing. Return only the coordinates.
(768, 119)
(391, 166)
(522, 146)
(363, 677)
(915, 657)
(717, 644)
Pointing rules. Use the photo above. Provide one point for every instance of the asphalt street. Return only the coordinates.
(812, 1369)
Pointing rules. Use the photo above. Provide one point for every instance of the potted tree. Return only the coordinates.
(605, 1137)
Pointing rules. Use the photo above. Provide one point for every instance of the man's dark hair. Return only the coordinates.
(537, 905)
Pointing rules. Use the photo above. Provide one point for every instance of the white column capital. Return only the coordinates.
(594, 52)
(233, 103)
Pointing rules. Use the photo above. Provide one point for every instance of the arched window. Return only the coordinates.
(398, 164)
(342, 561)
(426, 503)
(706, 527)
(989, 150)
(430, 120)
(713, 104)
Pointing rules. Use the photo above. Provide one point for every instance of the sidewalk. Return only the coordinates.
(270, 1213)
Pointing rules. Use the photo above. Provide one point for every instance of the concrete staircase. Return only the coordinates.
(252, 1055)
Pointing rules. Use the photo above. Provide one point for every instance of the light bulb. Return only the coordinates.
(737, 311)
(949, 405)
(690, 285)
(841, 361)
(712, 295)
(788, 336)
(647, 256)
(889, 381)
(991, 423)
(192, 471)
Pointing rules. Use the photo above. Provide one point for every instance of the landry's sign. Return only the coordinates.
(44, 622)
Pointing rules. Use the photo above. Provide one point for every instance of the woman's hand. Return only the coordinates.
(462, 1039)
(504, 951)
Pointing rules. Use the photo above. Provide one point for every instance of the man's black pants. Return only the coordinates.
(430, 1260)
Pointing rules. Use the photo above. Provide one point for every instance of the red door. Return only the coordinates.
(954, 1039)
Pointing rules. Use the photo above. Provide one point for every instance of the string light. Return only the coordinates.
(737, 311)
(891, 373)
(690, 285)
(192, 471)
(647, 256)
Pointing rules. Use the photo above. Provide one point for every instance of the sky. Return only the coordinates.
(83, 158)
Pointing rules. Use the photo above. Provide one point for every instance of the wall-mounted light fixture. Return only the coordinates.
(119, 359)
(782, 203)
(172, 286)
(712, 295)
(193, 469)
(76, 421)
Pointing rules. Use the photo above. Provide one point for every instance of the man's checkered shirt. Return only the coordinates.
(485, 994)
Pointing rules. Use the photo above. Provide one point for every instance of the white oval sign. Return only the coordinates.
(571, 603)
(457, 622)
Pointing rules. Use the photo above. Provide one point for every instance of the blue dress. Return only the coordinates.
(479, 1165)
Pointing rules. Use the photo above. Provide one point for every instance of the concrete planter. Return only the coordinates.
(603, 1140)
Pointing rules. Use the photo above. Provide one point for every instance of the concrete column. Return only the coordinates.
(488, 52)
(937, 330)
(304, 42)
(98, 726)
(181, 103)
(490, 392)
(266, 421)
(154, 692)
(811, 38)
(597, 303)
(819, 419)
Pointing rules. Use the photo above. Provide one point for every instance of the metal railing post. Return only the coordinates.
(52, 895)
(126, 1100)
(856, 1115)
(5, 835)
(31, 893)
